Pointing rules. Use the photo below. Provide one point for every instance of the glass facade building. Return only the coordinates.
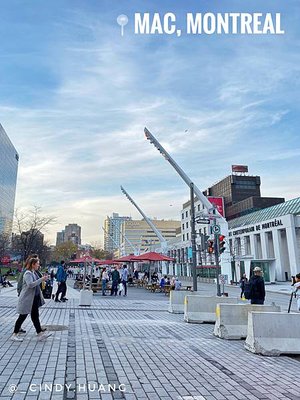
(9, 159)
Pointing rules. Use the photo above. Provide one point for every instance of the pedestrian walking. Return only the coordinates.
(124, 278)
(30, 300)
(296, 287)
(115, 277)
(256, 287)
(61, 277)
(242, 283)
(104, 281)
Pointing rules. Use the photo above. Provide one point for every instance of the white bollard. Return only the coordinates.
(272, 334)
(176, 301)
(199, 309)
(232, 319)
(86, 297)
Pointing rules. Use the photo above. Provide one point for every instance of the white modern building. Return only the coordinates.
(139, 234)
(270, 239)
(112, 235)
(181, 248)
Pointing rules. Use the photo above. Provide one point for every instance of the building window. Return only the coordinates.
(182, 216)
(183, 227)
(187, 236)
(183, 237)
(198, 207)
(186, 214)
(187, 224)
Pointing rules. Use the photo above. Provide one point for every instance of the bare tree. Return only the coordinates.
(28, 228)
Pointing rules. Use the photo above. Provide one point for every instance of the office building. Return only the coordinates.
(112, 236)
(141, 238)
(9, 159)
(71, 233)
(241, 194)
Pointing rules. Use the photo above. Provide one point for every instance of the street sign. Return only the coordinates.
(215, 229)
(202, 221)
(222, 279)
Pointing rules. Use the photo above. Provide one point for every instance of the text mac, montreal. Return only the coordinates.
(209, 23)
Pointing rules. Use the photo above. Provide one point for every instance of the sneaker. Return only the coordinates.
(43, 336)
(16, 338)
(22, 331)
(57, 301)
(44, 329)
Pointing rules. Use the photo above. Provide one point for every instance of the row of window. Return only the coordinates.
(197, 209)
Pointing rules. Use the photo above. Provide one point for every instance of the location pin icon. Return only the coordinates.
(122, 20)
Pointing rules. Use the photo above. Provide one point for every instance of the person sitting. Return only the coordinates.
(4, 281)
(162, 282)
(172, 283)
(154, 277)
(177, 284)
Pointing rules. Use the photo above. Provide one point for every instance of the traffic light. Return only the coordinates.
(210, 248)
(221, 244)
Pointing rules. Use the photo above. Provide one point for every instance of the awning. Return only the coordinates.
(152, 256)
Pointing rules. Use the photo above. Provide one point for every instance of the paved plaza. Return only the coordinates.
(134, 345)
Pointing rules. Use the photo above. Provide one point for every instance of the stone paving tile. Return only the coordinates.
(138, 344)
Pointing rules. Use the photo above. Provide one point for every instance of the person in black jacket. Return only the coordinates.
(242, 282)
(257, 283)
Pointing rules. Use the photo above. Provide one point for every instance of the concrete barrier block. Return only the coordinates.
(199, 309)
(176, 301)
(232, 319)
(272, 334)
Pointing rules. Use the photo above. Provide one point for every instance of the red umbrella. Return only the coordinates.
(152, 256)
(107, 262)
(128, 258)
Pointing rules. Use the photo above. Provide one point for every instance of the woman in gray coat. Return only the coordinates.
(30, 300)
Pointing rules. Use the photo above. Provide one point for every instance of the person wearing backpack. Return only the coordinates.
(257, 287)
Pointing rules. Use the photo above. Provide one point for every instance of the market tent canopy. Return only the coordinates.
(85, 259)
(152, 256)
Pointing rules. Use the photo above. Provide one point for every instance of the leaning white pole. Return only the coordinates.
(225, 257)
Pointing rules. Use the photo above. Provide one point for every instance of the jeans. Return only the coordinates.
(103, 286)
(62, 288)
(125, 287)
(34, 317)
(114, 288)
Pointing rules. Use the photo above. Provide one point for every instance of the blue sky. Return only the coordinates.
(75, 97)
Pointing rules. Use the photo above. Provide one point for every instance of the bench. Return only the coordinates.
(97, 287)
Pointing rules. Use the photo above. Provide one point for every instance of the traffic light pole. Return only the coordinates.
(216, 251)
(193, 239)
